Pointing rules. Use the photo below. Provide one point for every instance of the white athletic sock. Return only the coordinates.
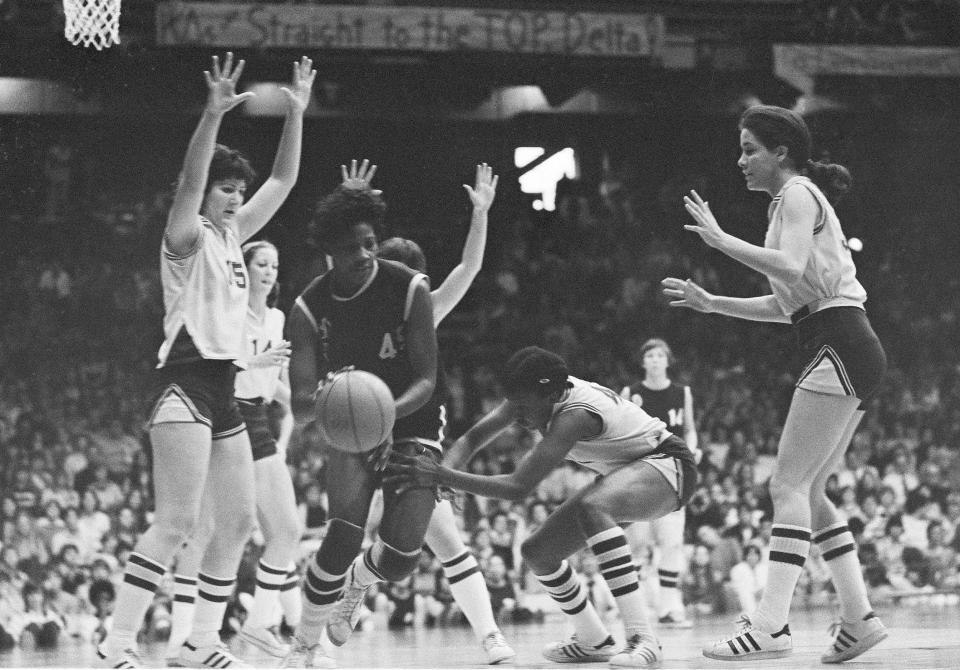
(212, 596)
(789, 546)
(365, 572)
(320, 592)
(266, 595)
(141, 578)
(470, 591)
(181, 615)
(616, 565)
(290, 598)
(564, 587)
(839, 550)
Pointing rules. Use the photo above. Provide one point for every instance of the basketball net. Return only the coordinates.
(92, 23)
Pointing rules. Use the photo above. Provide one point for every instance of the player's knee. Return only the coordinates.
(394, 565)
(785, 490)
(340, 546)
(175, 529)
(534, 553)
(283, 533)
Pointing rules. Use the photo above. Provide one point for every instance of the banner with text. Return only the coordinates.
(263, 25)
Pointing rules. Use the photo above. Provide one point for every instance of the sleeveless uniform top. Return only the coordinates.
(628, 432)
(204, 298)
(368, 330)
(258, 337)
(666, 404)
(830, 278)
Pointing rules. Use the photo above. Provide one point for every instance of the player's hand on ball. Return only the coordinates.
(409, 472)
(686, 293)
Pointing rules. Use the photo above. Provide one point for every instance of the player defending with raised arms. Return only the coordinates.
(645, 472)
(201, 453)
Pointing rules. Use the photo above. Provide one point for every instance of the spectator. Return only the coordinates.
(92, 524)
(701, 589)
(748, 579)
(41, 624)
(107, 491)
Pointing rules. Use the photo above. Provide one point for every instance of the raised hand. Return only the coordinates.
(484, 189)
(359, 178)
(707, 227)
(687, 294)
(222, 85)
(298, 94)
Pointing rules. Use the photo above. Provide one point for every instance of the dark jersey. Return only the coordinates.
(666, 404)
(368, 331)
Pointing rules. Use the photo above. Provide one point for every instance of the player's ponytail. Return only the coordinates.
(833, 179)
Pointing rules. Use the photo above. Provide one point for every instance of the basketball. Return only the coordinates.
(355, 411)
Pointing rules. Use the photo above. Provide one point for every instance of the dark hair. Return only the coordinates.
(658, 343)
(404, 251)
(229, 163)
(780, 127)
(534, 369)
(250, 250)
(750, 549)
(338, 212)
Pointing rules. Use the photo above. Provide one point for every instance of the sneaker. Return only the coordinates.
(497, 649)
(129, 658)
(347, 613)
(209, 656)
(852, 639)
(750, 643)
(303, 656)
(641, 651)
(675, 620)
(265, 640)
(173, 662)
(574, 651)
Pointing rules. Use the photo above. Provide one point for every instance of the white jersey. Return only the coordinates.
(205, 291)
(259, 336)
(830, 278)
(628, 433)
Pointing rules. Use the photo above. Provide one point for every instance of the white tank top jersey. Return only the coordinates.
(205, 291)
(628, 432)
(830, 278)
(258, 337)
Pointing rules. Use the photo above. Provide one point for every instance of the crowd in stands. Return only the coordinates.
(81, 323)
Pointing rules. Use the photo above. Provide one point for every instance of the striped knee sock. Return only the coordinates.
(564, 587)
(141, 578)
(616, 565)
(290, 599)
(266, 595)
(669, 599)
(181, 615)
(365, 570)
(320, 592)
(840, 553)
(470, 591)
(212, 596)
(789, 546)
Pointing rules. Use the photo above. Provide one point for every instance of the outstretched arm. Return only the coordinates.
(255, 214)
(183, 227)
(800, 212)
(458, 282)
(687, 293)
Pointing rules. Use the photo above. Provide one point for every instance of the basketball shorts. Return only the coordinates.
(839, 353)
(196, 392)
(425, 426)
(416, 447)
(676, 463)
(255, 416)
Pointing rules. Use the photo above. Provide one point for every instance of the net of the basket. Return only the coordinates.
(92, 23)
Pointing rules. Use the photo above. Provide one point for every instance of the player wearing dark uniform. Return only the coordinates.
(377, 316)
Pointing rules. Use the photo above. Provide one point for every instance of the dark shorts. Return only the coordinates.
(255, 415)
(839, 353)
(196, 392)
(414, 447)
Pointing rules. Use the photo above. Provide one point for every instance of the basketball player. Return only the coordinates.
(644, 472)
(810, 269)
(200, 446)
(377, 316)
(673, 405)
(263, 381)
(467, 584)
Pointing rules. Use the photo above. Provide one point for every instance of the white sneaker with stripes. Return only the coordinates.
(573, 650)
(850, 639)
(641, 651)
(750, 643)
(497, 650)
(128, 658)
(348, 611)
(209, 656)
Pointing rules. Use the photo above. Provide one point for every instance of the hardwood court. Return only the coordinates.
(920, 637)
